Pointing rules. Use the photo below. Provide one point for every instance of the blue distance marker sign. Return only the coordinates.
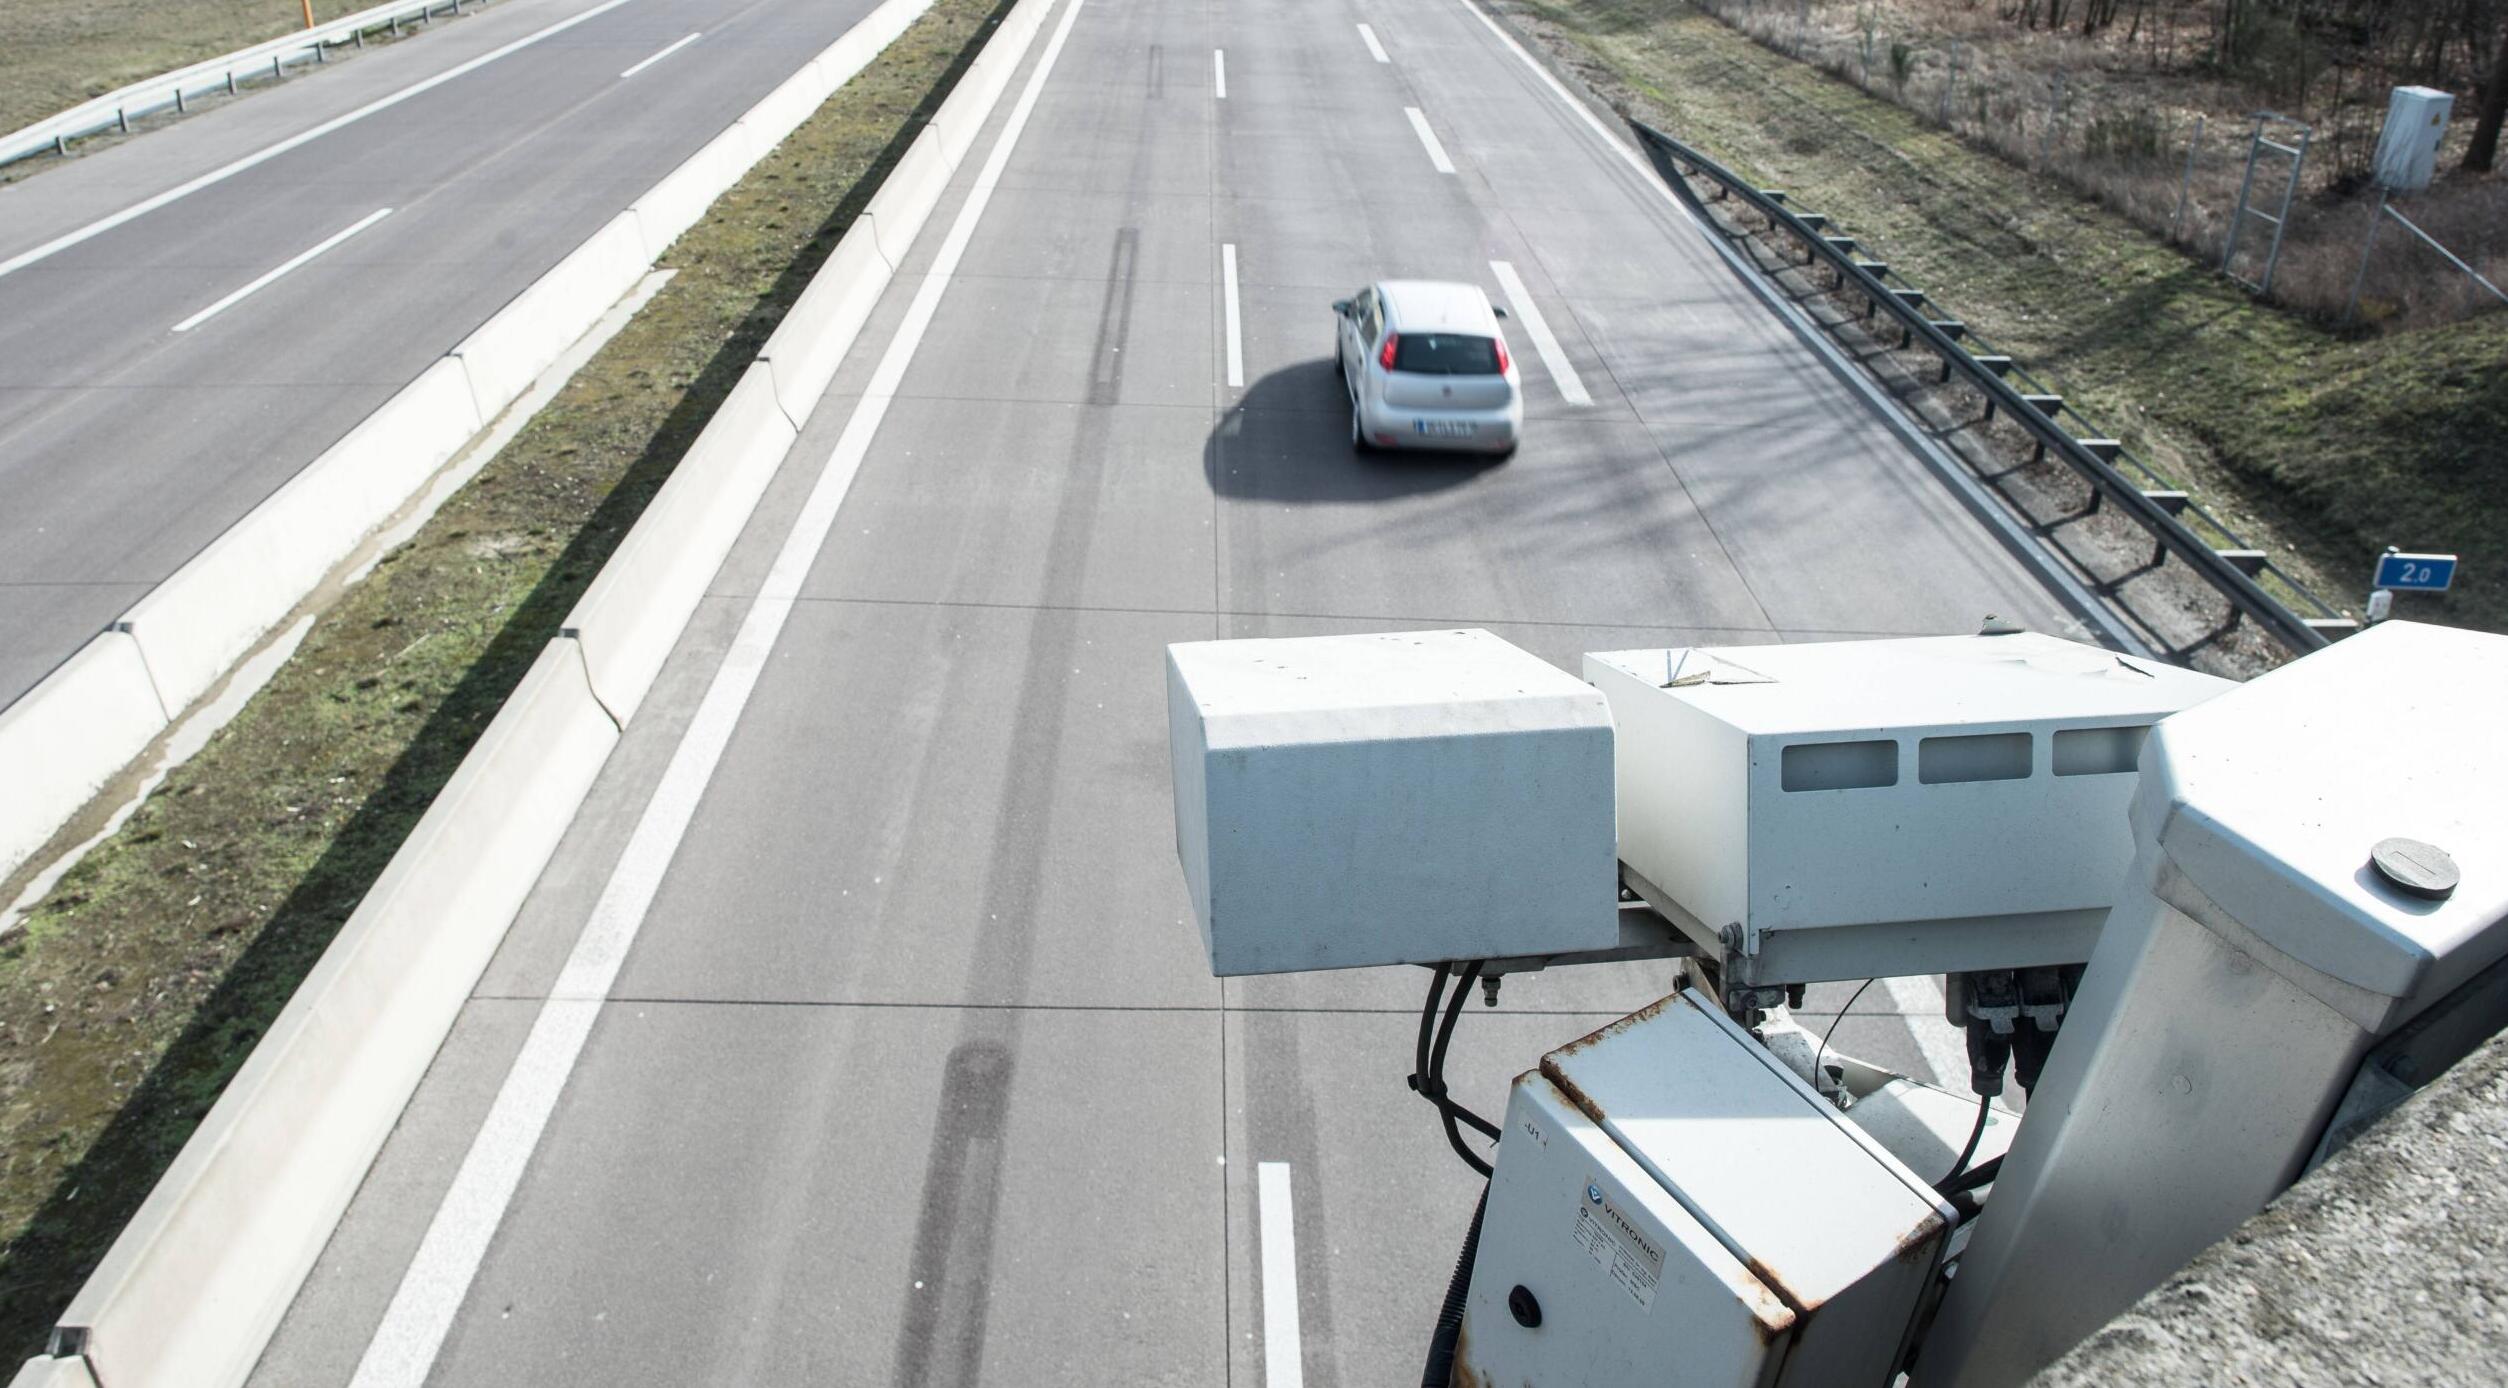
(2416, 573)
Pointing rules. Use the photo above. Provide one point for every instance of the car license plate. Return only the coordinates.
(1445, 428)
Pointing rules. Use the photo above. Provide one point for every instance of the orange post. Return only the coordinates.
(309, 14)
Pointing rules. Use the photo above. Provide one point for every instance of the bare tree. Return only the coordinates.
(2483, 153)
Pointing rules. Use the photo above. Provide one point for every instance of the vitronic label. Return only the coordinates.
(1618, 1244)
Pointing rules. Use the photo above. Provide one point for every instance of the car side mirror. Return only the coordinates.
(1342, 307)
(1493, 308)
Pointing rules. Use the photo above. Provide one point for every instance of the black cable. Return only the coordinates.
(1823, 1048)
(1982, 1174)
(1428, 1078)
(1437, 1057)
(1439, 1372)
(1960, 1168)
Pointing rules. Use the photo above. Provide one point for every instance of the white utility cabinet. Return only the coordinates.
(1845, 809)
(1682, 1209)
(1405, 798)
(2407, 149)
(2323, 855)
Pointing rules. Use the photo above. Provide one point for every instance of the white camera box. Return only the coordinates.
(1406, 798)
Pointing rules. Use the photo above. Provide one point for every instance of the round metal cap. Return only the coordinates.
(2415, 868)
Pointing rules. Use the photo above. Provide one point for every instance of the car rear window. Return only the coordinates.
(1446, 354)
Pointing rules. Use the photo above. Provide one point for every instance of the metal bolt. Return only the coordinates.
(2416, 868)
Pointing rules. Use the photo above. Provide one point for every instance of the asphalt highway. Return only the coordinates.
(858, 1033)
(134, 429)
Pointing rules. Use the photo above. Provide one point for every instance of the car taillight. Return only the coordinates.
(1502, 354)
(1384, 355)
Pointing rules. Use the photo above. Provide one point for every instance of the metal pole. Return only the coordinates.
(2238, 219)
(309, 14)
(2281, 223)
(2368, 243)
(2452, 258)
(2185, 182)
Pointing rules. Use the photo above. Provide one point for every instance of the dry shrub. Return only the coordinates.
(2158, 130)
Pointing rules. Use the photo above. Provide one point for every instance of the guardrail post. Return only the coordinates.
(179, 107)
(230, 81)
(122, 118)
(278, 73)
(61, 146)
(2246, 561)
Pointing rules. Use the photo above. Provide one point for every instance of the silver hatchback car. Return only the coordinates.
(1426, 367)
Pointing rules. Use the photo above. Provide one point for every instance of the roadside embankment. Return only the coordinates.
(2321, 447)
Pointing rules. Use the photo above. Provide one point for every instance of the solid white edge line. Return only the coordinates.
(1375, 49)
(1219, 72)
(2024, 549)
(1428, 137)
(683, 43)
(219, 175)
(1553, 357)
(1283, 1356)
(437, 1281)
(1228, 304)
(263, 282)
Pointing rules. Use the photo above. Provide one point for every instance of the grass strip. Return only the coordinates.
(2320, 447)
(140, 984)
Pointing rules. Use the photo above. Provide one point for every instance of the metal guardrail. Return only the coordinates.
(115, 110)
(2232, 566)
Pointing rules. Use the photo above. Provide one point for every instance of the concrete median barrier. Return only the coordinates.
(193, 1287)
(192, 1290)
(49, 1372)
(68, 736)
(907, 196)
(682, 197)
(512, 348)
(958, 121)
(194, 625)
(634, 611)
(781, 111)
(821, 326)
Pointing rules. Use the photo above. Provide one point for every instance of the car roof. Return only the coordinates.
(1428, 305)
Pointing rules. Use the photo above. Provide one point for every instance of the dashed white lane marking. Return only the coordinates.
(683, 43)
(1374, 49)
(219, 175)
(1219, 71)
(1228, 303)
(1428, 137)
(299, 259)
(1283, 1358)
(431, 1292)
(1562, 371)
